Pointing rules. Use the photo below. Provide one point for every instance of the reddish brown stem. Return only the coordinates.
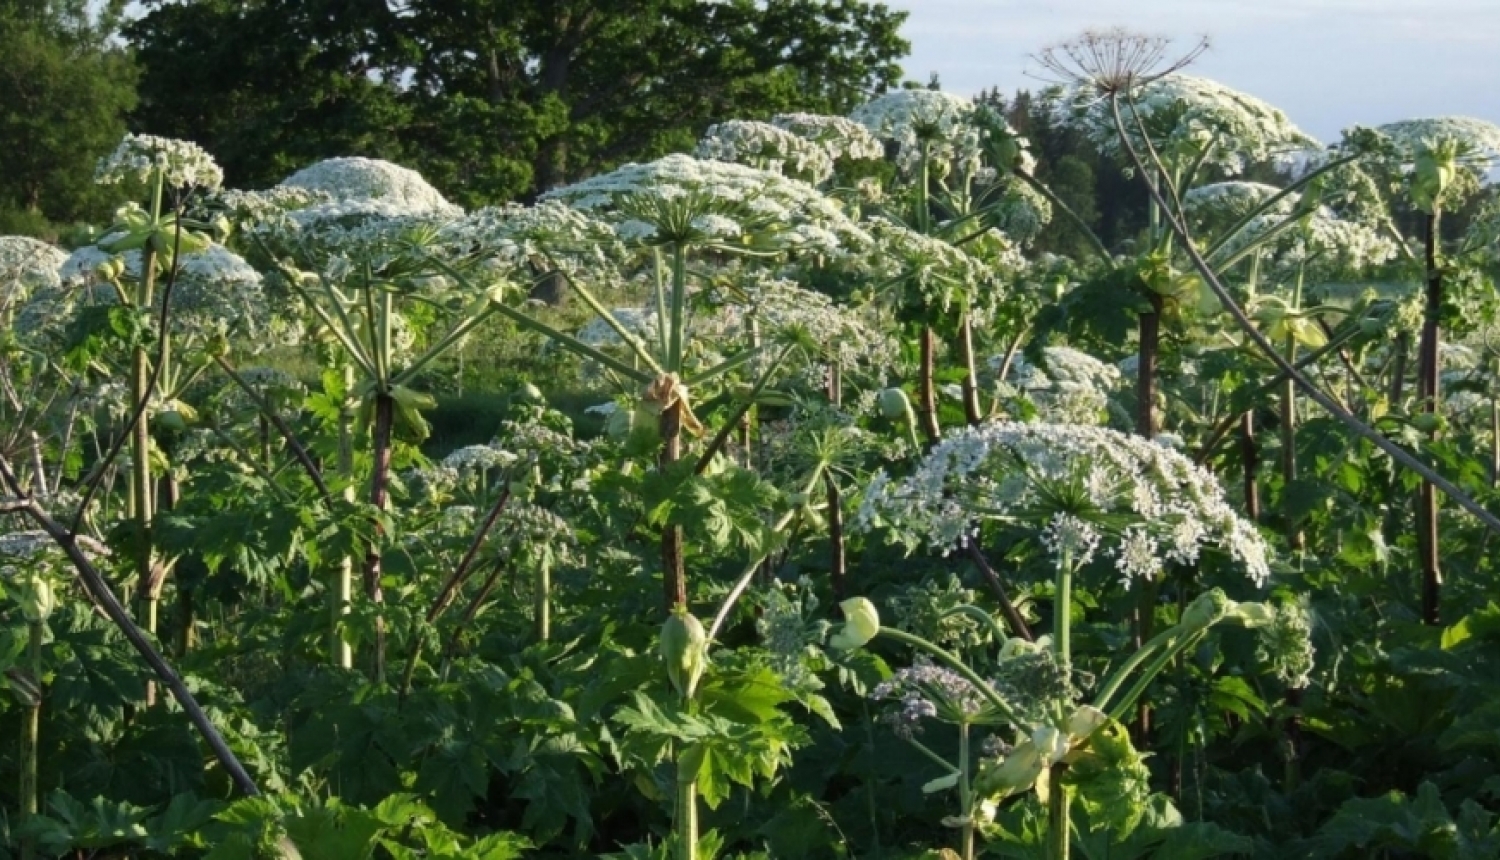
(927, 388)
(385, 416)
(673, 571)
(1250, 459)
(1428, 380)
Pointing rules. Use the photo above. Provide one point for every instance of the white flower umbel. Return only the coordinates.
(767, 147)
(1187, 117)
(369, 186)
(215, 291)
(1477, 140)
(1148, 504)
(26, 266)
(839, 137)
(911, 119)
(638, 199)
(1072, 387)
(180, 163)
(518, 240)
(1327, 244)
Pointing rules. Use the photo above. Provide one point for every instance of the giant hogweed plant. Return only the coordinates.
(1092, 498)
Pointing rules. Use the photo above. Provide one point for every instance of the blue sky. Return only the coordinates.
(1328, 63)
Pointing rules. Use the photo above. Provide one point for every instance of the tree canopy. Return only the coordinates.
(64, 91)
(493, 99)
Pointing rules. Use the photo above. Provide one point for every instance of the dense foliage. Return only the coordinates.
(848, 506)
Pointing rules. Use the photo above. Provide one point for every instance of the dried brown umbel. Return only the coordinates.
(1112, 62)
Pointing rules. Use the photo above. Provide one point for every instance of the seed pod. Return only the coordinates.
(684, 647)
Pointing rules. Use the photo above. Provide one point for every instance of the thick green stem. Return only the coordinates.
(140, 462)
(965, 796)
(1289, 444)
(973, 413)
(1062, 611)
(1059, 827)
(687, 812)
(342, 593)
(30, 735)
(542, 601)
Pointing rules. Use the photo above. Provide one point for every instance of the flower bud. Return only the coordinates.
(894, 404)
(861, 624)
(1208, 609)
(36, 598)
(684, 647)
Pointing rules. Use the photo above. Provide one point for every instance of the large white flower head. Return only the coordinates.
(181, 164)
(216, 291)
(839, 137)
(1141, 504)
(1442, 160)
(1477, 140)
(942, 123)
(1187, 118)
(940, 275)
(829, 332)
(1070, 387)
(369, 186)
(682, 199)
(26, 266)
(525, 240)
(1321, 241)
(767, 147)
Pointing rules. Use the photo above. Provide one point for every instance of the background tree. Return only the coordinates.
(64, 91)
(491, 99)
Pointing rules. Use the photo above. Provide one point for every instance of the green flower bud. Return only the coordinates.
(36, 598)
(861, 624)
(529, 393)
(894, 404)
(1209, 609)
(684, 647)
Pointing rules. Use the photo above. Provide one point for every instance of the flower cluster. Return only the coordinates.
(26, 266)
(787, 632)
(215, 291)
(370, 187)
(1322, 240)
(1187, 117)
(766, 147)
(1072, 387)
(180, 163)
(940, 275)
(1149, 505)
(524, 239)
(917, 121)
(925, 691)
(722, 202)
(1285, 645)
(840, 138)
